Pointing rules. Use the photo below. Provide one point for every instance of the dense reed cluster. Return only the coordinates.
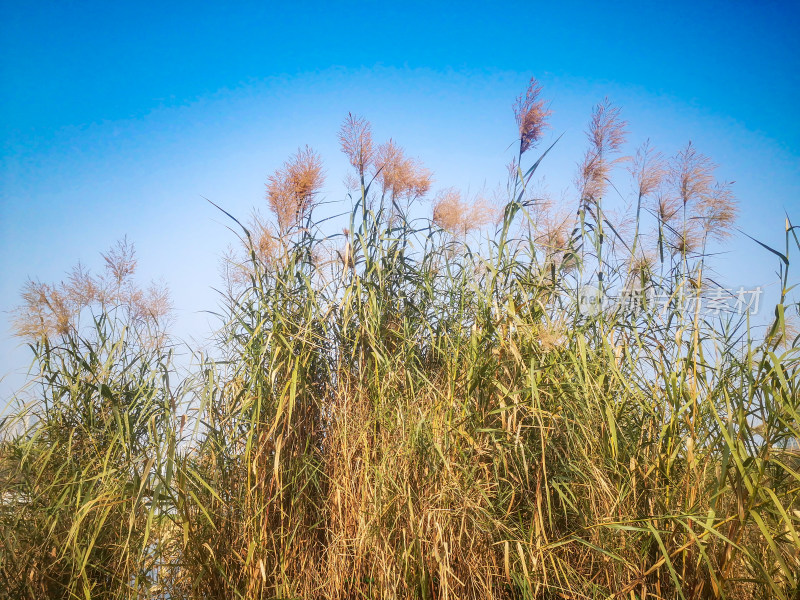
(420, 407)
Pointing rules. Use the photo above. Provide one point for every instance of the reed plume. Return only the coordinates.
(552, 229)
(292, 190)
(691, 174)
(606, 135)
(49, 310)
(648, 169)
(717, 211)
(455, 215)
(355, 138)
(531, 116)
(400, 177)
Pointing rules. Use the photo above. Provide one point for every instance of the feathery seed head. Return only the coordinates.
(606, 136)
(355, 137)
(292, 190)
(266, 242)
(641, 269)
(717, 211)
(606, 129)
(531, 116)
(453, 214)
(685, 241)
(648, 170)
(44, 312)
(691, 174)
(49, 310)
(448, 210)
(121, 261)
(552, 231)
(400, 176)
(667, 206)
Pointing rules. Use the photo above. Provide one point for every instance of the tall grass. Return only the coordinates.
(409, 410)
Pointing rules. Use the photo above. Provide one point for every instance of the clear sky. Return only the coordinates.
(118, 117)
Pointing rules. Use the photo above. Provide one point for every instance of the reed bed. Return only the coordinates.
(420, 407)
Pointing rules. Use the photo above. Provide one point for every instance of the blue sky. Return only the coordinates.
(117, 118)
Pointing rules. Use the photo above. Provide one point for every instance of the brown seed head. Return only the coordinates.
(121, 261)
(691, 174)
(606, 136)
(648, 170)
(81, 287)
(667, 206)
(513, 170)
(640, 269)
(606, 129)
(717, 211)
(157, 303)
(400, 176)
(453, 214)
(531, 116)
(552, 230)
(355, 137)
(448, 210)
(266, 242)
(44, 312)
(592, 177)
(292, 190)
(48, 310)
(685, 241)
